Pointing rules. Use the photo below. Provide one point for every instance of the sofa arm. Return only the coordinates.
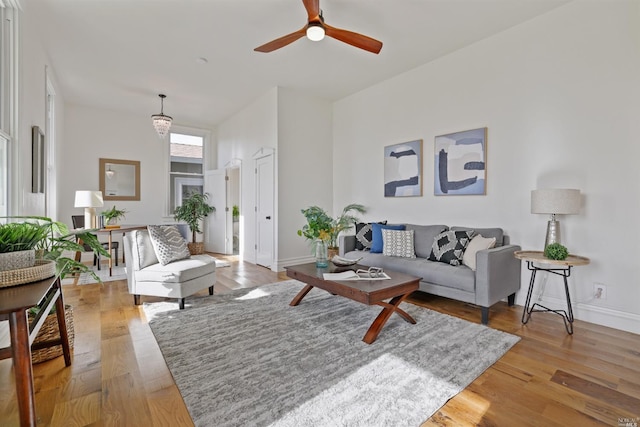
(346, 243)
(497, 274)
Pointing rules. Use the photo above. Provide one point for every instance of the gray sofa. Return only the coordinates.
(497, 274)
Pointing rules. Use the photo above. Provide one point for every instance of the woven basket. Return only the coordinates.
(196, 248)
(42, 269)
(50, 331)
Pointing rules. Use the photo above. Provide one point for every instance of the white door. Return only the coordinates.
(264, 210)
(215, 227)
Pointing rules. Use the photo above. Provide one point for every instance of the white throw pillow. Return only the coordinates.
(398, 243)
(168, 243)
(476, 244)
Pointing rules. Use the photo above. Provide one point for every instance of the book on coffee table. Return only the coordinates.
(355, 275)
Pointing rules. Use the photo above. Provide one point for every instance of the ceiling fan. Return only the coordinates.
(316, 29)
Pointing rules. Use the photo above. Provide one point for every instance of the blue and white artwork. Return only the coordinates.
(460, 163)
(403, 169)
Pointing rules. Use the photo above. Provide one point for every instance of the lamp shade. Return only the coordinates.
(553, 201)
(88, 199)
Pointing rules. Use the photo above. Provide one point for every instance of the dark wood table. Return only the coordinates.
(14, 303)
(370, 292)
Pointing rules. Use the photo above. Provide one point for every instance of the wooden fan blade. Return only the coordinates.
(282, 41)
(313, 9)
(354, 39)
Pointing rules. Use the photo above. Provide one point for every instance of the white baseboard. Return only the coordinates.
(616, 319)
(282, 263)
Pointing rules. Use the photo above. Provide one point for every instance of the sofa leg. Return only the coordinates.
(485, 315)
(511, 299)
(181, 303)
(210, 290)
(136, 299)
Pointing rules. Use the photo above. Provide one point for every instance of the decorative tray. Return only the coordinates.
(343, 262)
(42, 269)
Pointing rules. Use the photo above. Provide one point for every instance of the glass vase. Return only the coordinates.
(322, 259)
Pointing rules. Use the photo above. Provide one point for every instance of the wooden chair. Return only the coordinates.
(78, 222)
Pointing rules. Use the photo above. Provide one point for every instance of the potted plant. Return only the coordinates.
(113, 215)
(18, 241)
(193, 210)
(50, 240)
(323, 230)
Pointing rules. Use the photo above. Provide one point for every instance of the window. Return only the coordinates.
(8, 98)
(186, 169)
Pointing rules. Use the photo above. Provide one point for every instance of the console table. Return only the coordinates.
(557, 267)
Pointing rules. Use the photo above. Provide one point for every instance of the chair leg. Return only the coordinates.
(97, 259)
(181, 303)
(511, 299)
(210, 290)
(136, 299)
(116, 249)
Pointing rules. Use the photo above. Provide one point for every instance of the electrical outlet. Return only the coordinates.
(599, 291)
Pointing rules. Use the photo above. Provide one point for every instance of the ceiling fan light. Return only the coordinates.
(315, 32)
(161, 122)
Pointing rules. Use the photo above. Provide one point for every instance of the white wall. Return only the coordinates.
(91, 134)
(560, 95)
(32, 104)
(298, 127)
(239, 138)
(305, 170)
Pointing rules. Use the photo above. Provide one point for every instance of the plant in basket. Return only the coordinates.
(51, 241)
(193, 210)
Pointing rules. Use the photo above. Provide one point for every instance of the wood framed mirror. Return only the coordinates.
(120, 179)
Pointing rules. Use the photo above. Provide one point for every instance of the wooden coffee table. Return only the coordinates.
(370, 292)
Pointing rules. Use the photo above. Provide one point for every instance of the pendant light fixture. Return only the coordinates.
(110, 173)
(161, 122)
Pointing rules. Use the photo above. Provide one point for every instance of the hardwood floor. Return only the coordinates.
(119, 377)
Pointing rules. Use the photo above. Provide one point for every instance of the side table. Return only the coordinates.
(14, 303)
(557, 267)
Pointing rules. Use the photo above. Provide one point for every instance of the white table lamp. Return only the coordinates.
(89, 200)
(555, 201)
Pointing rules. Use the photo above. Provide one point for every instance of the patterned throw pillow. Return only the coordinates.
(364, 236)
(449, 246)
(398, 243)
(376, 235)
(168, 243)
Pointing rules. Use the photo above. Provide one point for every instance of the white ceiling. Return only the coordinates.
(120, 54)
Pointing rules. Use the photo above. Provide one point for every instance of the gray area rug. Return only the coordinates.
(248, 358)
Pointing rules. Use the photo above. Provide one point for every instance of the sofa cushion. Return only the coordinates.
(364, 235)
(398, 243)
(449, 246)
(478, 243)
(376, 235)
(496, 232)
(168, 243)
(438, 273)
(144, 251)
(179, 271)
(423, 236)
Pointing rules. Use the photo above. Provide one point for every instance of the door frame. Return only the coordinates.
(258, 155)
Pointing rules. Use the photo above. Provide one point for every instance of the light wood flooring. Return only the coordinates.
(119, 378)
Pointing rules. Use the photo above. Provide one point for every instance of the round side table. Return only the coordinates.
(557, 267)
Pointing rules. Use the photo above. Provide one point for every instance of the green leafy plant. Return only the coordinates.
(54, 240)
(114, 213)
(20, 236)
(193, 210)
(556, 251)
(235, 212)
(320, 226)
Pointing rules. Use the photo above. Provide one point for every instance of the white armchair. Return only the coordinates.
(178, 279)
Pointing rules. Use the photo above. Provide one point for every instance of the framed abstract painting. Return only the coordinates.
(460, 163)
(403, 169)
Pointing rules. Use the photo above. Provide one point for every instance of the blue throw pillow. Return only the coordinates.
(376, 235)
